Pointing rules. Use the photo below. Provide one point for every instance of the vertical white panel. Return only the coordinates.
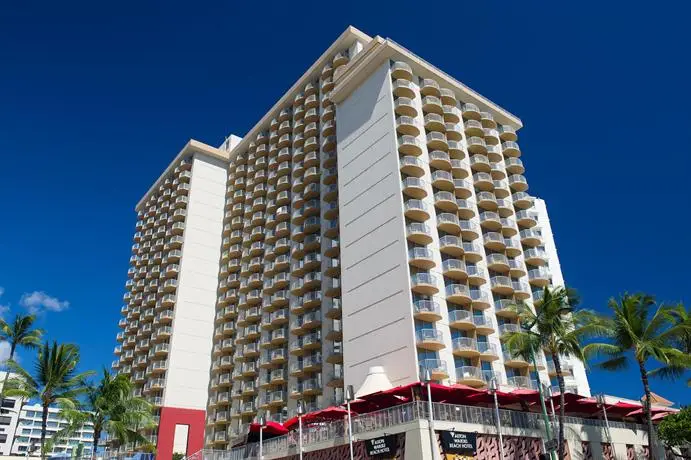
(378, 328)
(187, 377)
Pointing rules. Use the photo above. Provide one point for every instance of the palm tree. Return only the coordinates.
(557, 329)
(634, 334)
(19, 333)
(55, 380)
(109, 406)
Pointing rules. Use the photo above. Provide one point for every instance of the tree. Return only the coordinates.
(675, 429)
(55, 381)
(19, 333)
(109, 406)
(639, 332)
(556, 328)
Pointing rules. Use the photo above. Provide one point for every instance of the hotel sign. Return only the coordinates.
(458, 442)
(384, 446)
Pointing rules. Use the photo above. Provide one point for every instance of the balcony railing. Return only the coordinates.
(387, 419)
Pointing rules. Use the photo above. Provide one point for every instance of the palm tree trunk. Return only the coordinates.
(44, 423)
(647, 407)
(560, 381)
(97, 437)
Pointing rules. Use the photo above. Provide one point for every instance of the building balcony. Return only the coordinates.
(514, 361)
(471, 112)
(412, 166)
(502, 285)
(427, 310)
(416, 210)
(446, 201)
(494, 241)
(488, 351)
(405, 107)
(566, 369)
(510, 149)
(429, 339)
(450, 245)
(404, 89)
(414, 187)
(424, 283)
(540, 277)
(418, 233)
(429, 87)
(520, 381)
(465, 347)
(409, 145)
(401, 70)
(407, 126)
(470, 375)
(434, 122)
(518, 183)
(436, 367)
(443, 180)
(483, 181)
(461, 319)
(469, 229)
(514, 165)
(437, 141)
(531, 238)
(484, 324)
(458, 294)
(535, 256)
(498, 262)
(454, 269)
(421, 257)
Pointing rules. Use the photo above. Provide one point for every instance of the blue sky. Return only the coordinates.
(96, 100)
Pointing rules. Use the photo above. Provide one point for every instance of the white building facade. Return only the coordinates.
(377, 215)
(27, 438)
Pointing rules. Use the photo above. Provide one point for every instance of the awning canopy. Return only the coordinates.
(271, 430)
(324, 415)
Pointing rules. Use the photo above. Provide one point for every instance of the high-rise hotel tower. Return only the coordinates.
(377, 215)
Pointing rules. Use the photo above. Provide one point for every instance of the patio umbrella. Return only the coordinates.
(324, 415)
(485, 397)
(271, 430)
(529, 396)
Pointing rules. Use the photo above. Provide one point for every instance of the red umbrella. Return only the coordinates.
(503, 398)
(529, 396)
(661, 415)
(653, 411)
(271, 428)
(364, 406)
(324, 415)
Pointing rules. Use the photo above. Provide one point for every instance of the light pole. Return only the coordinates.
(349, 396)
(493, 388)
(301, 412)
(533, 357)
(262, 424)
(550, 395)
(432, 435)
(601, 402)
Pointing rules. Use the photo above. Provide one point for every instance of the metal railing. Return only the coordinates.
(395, 416)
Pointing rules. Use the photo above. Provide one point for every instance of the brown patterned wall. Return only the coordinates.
(515, 448)
(586, 450)
(607, 452)
(343, 452)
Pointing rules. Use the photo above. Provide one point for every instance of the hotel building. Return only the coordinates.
(377, 215)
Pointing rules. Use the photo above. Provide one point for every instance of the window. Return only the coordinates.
(8, 403)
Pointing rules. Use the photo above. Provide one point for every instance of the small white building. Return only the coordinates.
(9, 414)
(28, 433)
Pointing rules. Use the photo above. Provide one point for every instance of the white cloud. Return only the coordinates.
(3, 308)
(38, 302)
(4, 351)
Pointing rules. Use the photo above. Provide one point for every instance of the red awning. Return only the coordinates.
(654, 411)
(324, 415)
(271, 428)
(440, 393)
(529, 396)
(485, 397)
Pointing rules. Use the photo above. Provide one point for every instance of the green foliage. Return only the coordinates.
(675, 429)
(54, 381)
(641, 331)
(109, 406)
(178, 456)
(556, 327)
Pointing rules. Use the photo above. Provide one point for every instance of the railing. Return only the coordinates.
(394, 416)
